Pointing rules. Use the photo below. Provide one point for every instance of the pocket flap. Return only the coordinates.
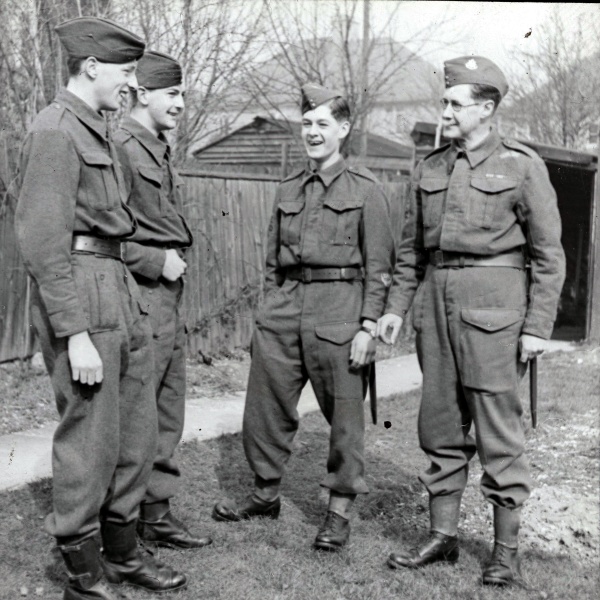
(338, 333)
(291, 208)
(434, 184)
(493, 185)
(154, 174)
(96, 158)
(340, 204)
(491, 319)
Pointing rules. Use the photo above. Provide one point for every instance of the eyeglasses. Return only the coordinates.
(456, 106)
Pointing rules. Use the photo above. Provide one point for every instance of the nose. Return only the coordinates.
(447, 112)
(132, 81)
(179, 102)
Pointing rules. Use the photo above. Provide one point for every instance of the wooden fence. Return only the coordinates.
(229, 217)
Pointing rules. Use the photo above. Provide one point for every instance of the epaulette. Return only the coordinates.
(293, 175)
(51, 115)
(436, 151)
(363, 172)
(514, 145)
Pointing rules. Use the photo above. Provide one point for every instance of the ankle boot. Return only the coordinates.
(125, 564)
(86, 579)
(442, 545)
(158, 526)
(504, 567)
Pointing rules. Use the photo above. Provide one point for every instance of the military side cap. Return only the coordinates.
(314, 95)
(474, 69)
(156, 70)
(100, 38)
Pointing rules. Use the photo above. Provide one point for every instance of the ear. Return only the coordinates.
(90, 67)
(488, 108)
(142, 95)
(344, 130)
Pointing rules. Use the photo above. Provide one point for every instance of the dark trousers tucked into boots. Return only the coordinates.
(124, 564)
(504, 567)
(86, 577)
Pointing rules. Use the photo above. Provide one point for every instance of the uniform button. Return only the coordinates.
(150, 291)
(102, 277)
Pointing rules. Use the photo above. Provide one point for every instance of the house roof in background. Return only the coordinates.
(377, 145)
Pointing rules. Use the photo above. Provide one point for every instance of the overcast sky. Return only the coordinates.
(492, 29)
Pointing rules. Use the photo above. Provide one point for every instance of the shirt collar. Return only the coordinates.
(157, 146)
(477, 155)
(327, 175)
(84, 112)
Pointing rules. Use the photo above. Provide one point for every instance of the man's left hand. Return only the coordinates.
(362, 351)
(530, 346)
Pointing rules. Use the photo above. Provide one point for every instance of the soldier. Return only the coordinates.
(71, 224)
(327, 273)
(155, 257)
(480, 208)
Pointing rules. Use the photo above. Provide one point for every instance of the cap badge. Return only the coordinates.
(472, 65)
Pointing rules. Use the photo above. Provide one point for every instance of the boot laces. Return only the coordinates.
(501, 556)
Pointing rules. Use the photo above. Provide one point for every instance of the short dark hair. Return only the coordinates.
(74, 65)
(480, 91)
(340, 110)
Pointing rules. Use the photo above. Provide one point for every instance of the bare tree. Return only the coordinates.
(555, 99)
(367, 64)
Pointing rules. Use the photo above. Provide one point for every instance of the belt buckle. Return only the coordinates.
(123, 251)
(306, 275)
(438, 257)
(343, 273)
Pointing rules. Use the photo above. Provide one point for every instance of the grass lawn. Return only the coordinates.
(273, 560)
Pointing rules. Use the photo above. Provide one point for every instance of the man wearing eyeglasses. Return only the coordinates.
(481, 208)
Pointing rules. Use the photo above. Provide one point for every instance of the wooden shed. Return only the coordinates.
(574, 176)
(271, 146)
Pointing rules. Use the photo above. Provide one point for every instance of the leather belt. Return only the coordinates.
(442, 259)
(89, 244)
(309, 274)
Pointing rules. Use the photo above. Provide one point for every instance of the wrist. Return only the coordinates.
(370, 330)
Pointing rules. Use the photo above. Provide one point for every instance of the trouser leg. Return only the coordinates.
(487, 333)
(340, 392)
(169, 342)
(270, 422)
(444, 419)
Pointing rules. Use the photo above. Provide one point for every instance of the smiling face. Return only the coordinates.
(111, 83)
(471, 120)
(164, 106)
(322, 135)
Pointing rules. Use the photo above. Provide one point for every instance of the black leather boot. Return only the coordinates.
(158, 526)
(504, 567)
(442, 545)
(252, 507)
(125, 564)
(334, 533)
(86, 579)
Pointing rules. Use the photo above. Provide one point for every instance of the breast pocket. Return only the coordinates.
(433, 199)
(485, 196)
(99, 182)
(290, 221)
(341, 221)
(151, 193)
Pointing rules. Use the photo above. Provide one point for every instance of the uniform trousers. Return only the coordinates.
(102, 447)
(468, 323)
(304, 332)
(163, 300)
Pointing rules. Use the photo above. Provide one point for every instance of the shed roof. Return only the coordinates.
(261, 140)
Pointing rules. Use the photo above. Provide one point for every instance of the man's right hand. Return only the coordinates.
(86, 364)
(174, 266)
(388, 328)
